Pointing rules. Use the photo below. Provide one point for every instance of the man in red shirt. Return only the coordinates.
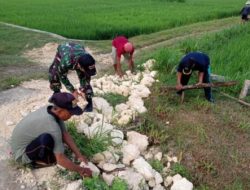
(121, 46)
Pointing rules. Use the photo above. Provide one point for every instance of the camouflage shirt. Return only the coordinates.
(67, 59)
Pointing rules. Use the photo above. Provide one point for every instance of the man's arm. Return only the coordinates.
(70, 142)
(200, 77)
(131, 63)
(62, 160)
(178, 82)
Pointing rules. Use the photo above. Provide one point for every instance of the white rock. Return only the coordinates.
(107, 167)
(176, 178)
(149, 64)
(168, 181)
(159, 187)
(134, 180)
(152, 183)
(22, 186)
(158, 178)
(130, 152)
(117, 136)
(108, 178)
(124, 120)
(75, 185)
(144, 168)
(182, 184)
(158, 156)
(103, 106)
(147, 81)
(9, 123)
(98, 129)
(139, 140)
(174, 159)
(121, 107)
(140, 90)
(81, 127)
(153, 73)
(148, 156)
(106, 157)
(92, 167)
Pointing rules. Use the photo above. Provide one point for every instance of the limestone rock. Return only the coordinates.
(134, 180)
(168, 181)
(106, 157)
(158, 156)
(92, 167)
(144, 168)
(139, 140)
(130, 152)
(75, 185)
(159, 187)
(182, 184)
(108, 178)
(117, 136)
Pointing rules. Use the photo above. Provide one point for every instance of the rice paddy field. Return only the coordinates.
(104, 19)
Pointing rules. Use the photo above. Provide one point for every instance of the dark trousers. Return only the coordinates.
(206, 79)
(41, 149)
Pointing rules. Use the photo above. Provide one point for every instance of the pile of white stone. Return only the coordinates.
(130, 163)
(127, 159)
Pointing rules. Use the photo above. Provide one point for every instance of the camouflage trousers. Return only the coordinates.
(55, 83)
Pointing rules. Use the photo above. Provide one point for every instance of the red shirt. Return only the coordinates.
(119, 43)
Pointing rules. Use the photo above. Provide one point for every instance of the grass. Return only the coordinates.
(157, 165)
(114, 99)
(88, 147)
(102, 19)
(14, 67)
(178, 168)
(228, 58)
(212, 139)
(96, 183)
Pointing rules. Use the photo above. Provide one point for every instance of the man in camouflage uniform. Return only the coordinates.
(71, 56)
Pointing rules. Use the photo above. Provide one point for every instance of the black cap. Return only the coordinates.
(67, 101)
(87, 62)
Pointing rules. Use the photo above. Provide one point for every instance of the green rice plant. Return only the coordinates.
(114, 99)
(95, 183)
(178, 168)
(88, 147)
(119, 184)
(157, 165)
(102, 19)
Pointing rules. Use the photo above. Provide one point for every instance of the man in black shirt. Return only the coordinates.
(194, 61)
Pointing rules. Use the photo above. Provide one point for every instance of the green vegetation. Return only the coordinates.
(119, 184)
(102, 19)
(157, 165)
(95, 183)
(88, 147)
(178, 168)
(71, 176)
(114, 99)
